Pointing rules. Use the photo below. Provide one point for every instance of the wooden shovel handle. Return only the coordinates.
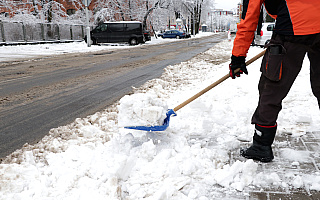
(216, 83)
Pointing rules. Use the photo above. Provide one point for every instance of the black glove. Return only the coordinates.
(237, 62)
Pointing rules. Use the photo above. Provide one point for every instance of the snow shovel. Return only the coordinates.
(172, 112)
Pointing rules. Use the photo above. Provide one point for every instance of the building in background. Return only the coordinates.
(64, 8)
(9, 8)
(221, 20)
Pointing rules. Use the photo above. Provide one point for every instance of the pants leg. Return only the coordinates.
(271, 93)
(314, 57)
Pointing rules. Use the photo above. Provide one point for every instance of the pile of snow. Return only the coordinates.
(197, 157)
(141, 110)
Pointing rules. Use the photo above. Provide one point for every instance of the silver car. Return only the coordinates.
(265, 35)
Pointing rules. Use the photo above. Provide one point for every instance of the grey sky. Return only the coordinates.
(226, 4)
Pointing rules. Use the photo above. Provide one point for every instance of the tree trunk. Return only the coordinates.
(120, 9)
(49, 13)
(147, 14)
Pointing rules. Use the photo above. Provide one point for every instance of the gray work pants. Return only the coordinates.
(280, 67)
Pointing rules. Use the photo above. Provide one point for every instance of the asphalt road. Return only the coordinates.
(49, 92)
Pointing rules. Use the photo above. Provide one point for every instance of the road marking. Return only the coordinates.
(15, 79)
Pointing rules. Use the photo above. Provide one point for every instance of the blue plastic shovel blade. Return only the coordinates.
(163, 127)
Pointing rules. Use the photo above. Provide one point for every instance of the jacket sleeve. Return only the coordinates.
(247, 27)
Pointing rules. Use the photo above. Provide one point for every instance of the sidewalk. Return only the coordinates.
(309, 144)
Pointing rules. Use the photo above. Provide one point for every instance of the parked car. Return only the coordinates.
(265, 34)
(147, 36)
(160, 34)
(172, 34)
(118, 32)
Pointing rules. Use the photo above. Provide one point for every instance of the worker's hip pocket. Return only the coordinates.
(271, 66)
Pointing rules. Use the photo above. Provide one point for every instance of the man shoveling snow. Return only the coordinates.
(296, 33)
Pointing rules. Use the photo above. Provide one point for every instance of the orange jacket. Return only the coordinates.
(293, 17)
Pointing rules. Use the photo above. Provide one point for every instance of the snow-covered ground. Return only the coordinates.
(96, 158)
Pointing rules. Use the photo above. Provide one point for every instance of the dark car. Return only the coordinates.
(147, 36)
(118, 32)
(173, 34)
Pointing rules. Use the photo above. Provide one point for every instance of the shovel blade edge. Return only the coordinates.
(155, 128)
(148, 128)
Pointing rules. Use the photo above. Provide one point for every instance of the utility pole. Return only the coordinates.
(86, 4)
(194, 26)
(211, 22)
(240, 10)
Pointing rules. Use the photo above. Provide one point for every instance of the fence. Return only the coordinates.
(19, 32)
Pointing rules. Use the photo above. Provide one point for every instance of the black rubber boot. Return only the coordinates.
(261, 147)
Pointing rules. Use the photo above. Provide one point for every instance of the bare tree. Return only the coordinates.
(194, 8)
(111, 10)
(152, 5)
(152, 13)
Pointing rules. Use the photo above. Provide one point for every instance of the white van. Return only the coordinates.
(265, 35)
